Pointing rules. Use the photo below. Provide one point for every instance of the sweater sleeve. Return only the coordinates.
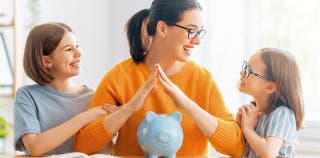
(94, 136)
(228, 138)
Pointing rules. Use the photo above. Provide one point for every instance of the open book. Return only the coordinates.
(81, 155)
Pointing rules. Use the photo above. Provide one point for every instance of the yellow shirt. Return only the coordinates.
(121, 83)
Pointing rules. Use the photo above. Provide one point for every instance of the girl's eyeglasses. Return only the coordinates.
(247, 71)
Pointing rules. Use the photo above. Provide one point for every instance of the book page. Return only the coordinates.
(102, 156)
(70, 155)
(82, 155)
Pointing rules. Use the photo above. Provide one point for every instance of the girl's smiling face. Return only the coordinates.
(252, 78)
(65, 60)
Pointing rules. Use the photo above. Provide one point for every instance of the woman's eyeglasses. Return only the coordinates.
(192, 33)
(247, 71)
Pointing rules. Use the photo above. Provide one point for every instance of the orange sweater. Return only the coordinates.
(122, 82)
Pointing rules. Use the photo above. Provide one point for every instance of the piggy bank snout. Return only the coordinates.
(164, 137)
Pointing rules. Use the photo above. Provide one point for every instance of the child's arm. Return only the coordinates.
(38, 144)
(264, 147)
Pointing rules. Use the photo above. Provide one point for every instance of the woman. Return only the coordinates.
(165, 36)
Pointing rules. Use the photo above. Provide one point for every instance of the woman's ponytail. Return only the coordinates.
(137, 42)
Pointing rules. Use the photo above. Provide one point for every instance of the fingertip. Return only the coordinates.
(156, 65)
(243, 110)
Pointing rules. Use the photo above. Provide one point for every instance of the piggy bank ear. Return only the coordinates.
(176, 115)
(150, 115)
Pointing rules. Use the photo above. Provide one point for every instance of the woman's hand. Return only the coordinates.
(176, 94)
(138, 100)
(249, 117)
(117, 119)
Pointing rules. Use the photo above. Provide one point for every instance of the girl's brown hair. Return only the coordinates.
(283, 70)
(42, 41)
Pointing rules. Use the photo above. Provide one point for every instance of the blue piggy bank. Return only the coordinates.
(160, 135)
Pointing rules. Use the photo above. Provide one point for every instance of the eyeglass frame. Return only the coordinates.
(197, 33)
(247, 71)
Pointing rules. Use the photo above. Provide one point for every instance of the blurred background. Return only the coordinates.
(235, 30)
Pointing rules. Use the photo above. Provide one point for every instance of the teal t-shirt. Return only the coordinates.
(39, 108)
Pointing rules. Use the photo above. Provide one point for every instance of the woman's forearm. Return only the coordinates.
(117, 119)
(205, 121)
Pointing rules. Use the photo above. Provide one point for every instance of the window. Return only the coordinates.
(235, 30)
(6, 48)
(6, 62)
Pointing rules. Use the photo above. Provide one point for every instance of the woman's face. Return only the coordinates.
(65, 60)
(179, 46)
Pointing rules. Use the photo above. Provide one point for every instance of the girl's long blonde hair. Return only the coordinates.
(283, 70)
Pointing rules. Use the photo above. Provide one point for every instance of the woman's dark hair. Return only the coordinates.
(42, 41)
(169, 11)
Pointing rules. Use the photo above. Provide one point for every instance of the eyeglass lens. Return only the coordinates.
(193, 33)
(245, 69)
